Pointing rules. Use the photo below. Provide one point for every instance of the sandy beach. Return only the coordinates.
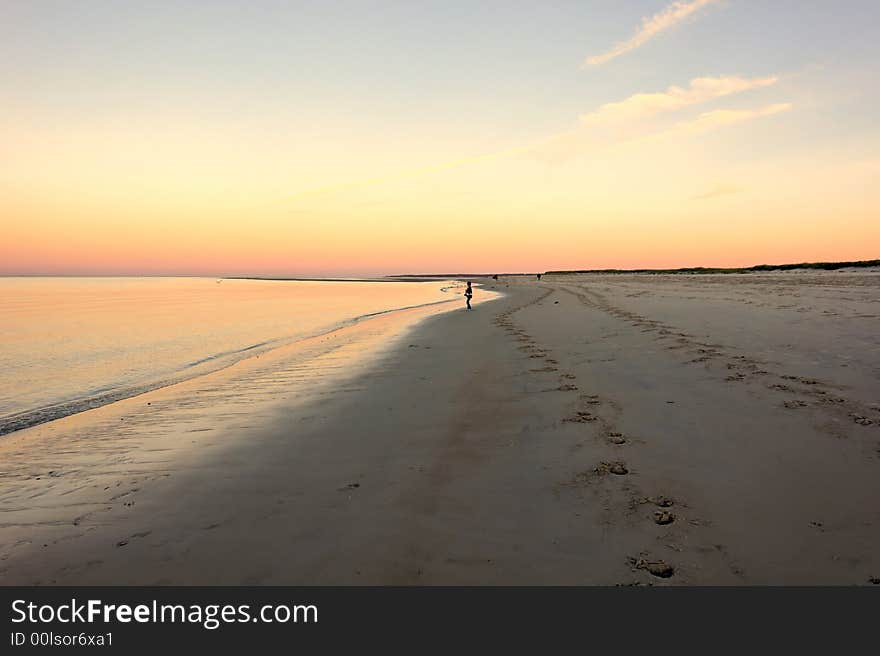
(584, 429)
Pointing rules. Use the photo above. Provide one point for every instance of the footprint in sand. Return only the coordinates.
(794, 404)
(658, 568)
(660, 501)
(618, 468)
(616, 438)
(581, 417)
(663, 517)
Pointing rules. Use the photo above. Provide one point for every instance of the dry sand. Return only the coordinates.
(536, 440)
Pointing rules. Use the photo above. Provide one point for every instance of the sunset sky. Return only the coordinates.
(346, 138)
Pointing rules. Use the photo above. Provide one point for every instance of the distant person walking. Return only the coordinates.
(468, 294)
(539, 276)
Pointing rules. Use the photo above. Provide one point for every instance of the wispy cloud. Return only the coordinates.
(623, 122)
(651, 27)
(700, 90)
(720, 118)
(625, 116)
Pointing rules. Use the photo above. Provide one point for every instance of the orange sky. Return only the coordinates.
(191, 167)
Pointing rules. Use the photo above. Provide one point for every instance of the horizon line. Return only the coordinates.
(827, 265)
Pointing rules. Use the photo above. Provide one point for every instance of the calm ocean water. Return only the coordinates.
(70, 344)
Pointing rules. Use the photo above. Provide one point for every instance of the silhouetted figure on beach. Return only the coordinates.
(539, 276)
(468, 294)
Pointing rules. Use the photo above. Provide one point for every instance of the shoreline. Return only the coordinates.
(29, 418)
(67, 477)
(576, 431)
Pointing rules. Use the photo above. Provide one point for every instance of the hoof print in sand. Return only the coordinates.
(794, 404)
(663, 517)
(862, 421)
(581, 417)
(617, 468)
(658, 568)
(567, 388)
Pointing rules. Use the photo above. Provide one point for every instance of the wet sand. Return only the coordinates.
(580, 430)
